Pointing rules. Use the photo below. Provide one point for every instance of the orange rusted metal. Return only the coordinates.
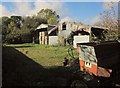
(91, 70)
(98, 58)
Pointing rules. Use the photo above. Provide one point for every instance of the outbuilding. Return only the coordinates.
(46, 34)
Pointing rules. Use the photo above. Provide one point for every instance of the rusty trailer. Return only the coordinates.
(98, 58)
(99, 63)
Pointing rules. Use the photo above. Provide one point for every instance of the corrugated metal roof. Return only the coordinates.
(44, 26)
(99, 27)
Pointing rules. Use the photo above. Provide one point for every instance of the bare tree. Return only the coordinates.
(109, 19)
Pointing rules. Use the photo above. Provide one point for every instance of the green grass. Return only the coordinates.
(34, 65)
(44, 55)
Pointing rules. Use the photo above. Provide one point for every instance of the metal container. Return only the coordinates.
(98, 58)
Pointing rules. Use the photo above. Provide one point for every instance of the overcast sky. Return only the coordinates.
(85, 12)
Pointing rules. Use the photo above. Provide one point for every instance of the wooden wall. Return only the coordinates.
(43, 38)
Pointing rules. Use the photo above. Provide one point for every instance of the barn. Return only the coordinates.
(76, 32)
(46, 34)
(68, 33)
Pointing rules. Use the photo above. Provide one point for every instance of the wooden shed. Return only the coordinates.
(43, 33)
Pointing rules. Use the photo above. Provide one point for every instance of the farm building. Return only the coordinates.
(75, 32)
(46, 34)
(92, 33)
(67, 28)
(67, 33)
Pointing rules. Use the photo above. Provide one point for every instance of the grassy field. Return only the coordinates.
(43, 54)
(34, 65)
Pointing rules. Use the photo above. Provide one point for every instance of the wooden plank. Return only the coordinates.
(45, 39)
(39, 37)
(42, 38)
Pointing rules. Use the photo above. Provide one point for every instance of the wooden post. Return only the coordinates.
(43, 37)
(40, 37)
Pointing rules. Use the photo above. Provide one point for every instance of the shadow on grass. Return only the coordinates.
(20, 70)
